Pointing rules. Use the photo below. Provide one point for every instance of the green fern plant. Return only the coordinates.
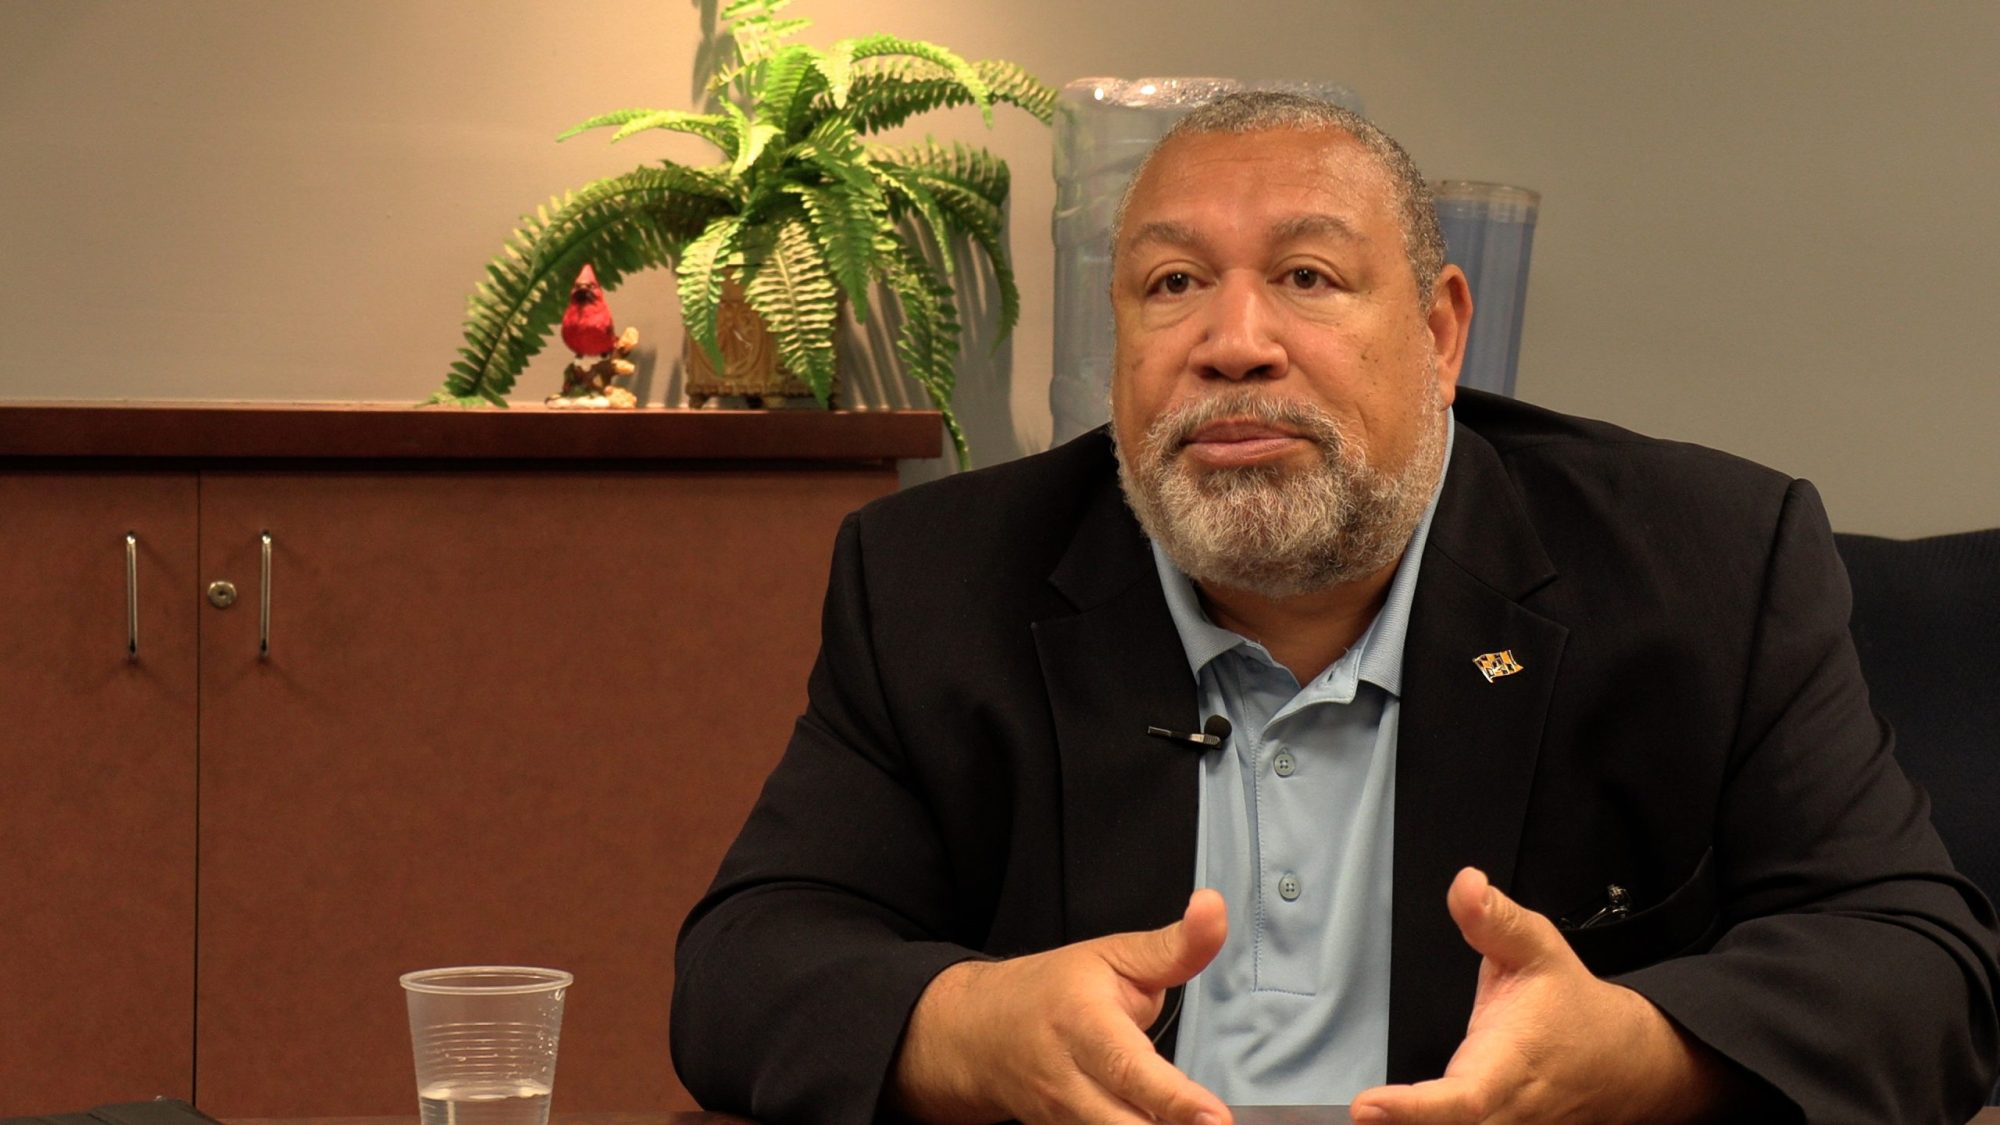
(800, 210)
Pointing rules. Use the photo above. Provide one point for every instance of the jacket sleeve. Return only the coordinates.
(797, 971)
(1857, 972)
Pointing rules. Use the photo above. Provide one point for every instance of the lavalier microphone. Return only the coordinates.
(1213, 733)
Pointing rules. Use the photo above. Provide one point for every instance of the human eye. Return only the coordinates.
(1172, 283)
(1307, 278)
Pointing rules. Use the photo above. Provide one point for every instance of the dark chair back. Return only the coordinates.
(1927, 624)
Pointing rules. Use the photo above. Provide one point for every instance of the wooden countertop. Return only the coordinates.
(1245, 1115)
(356, 430)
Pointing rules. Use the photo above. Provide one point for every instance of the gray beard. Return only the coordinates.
(1269, 531)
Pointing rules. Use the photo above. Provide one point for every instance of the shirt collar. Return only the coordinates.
(1377, 656)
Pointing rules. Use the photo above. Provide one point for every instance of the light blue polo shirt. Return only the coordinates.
(1297, 831)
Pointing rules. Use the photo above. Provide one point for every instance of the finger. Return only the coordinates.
(1441, 1101)
(1090, 1102)
(1503, 931)
(1160, 959)
(1127, 1067)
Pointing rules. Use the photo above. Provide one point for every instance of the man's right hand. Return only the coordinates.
(1060, 1036)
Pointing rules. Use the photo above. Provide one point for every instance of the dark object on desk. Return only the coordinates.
(159, 1111)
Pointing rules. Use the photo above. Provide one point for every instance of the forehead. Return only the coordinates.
(1262, 182)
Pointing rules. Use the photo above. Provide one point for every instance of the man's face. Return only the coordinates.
(1273, 362)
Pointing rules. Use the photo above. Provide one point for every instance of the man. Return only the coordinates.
(1548, 789)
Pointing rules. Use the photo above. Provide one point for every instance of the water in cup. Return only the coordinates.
(484, 1103)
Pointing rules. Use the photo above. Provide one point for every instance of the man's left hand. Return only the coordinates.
(1547, 1040)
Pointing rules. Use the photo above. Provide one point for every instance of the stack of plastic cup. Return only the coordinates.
(1489, 231)
(1104, 127)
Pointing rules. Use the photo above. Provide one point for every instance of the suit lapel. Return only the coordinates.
(1466, 746)
(1130, 801)
(1114, 668)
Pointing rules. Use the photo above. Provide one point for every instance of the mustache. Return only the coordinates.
(1172, 431)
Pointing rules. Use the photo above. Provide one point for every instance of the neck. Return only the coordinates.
(1305, 632)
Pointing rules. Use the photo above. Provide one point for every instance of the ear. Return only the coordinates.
(1449, 319)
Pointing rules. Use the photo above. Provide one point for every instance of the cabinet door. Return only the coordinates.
(505, 717)
(97, 789)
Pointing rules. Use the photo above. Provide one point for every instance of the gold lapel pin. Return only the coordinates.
(1494, 665)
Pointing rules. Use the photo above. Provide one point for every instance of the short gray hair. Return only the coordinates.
(1258, 111)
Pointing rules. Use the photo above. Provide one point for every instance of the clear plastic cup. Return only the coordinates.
(485, 1037)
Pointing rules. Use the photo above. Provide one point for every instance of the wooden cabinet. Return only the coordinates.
(504, 712)
(97, 788)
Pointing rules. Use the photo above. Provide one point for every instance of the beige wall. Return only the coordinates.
(1768, 227)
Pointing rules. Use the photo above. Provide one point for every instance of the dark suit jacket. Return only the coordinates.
(972, 776)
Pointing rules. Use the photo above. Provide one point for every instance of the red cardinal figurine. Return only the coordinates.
(600, 352)
(586, 324)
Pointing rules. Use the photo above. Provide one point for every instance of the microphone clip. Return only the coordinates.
(1213, 733)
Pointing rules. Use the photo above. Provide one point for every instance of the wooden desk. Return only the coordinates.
(1246, 1115)
(655, 1117)
(663, 1117)
(1321, 1115)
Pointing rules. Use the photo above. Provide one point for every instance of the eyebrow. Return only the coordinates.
(1173, 234)
(1318, 225)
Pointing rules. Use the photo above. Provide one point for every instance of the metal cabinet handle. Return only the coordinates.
(264, 603)
(131, 595)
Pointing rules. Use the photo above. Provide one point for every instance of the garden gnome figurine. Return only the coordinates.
(600, 351)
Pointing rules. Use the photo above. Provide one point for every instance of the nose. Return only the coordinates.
(1240, 333)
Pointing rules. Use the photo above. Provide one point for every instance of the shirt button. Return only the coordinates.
(1284, 764)
(1288, 887)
